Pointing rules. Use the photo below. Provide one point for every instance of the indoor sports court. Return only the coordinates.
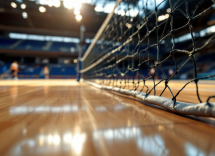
(107, 78)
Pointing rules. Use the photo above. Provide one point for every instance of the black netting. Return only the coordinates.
(142, 42)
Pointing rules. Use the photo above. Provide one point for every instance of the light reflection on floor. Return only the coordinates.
(74, 142)
(109, 125)
(57, 109)
(51, 143)
(45, 109)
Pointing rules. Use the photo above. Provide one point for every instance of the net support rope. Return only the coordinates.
(105, 60)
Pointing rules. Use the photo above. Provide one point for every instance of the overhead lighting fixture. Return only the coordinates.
(75, 60)
(24, 15)
(68, 4)
(77, 12)
(78, 17)
(23, 6)
(42, 9)
(13, 4)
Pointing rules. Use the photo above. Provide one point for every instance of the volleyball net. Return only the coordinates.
(154, 42)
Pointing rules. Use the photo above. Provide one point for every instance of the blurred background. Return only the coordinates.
(46, 36)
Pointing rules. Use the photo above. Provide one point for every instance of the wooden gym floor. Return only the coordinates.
(64, 117)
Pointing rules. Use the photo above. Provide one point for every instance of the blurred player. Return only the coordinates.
(152, 71)
(15, 68)
(46, 72)
(171, 72)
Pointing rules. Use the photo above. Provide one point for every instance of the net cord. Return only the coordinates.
(202, 109)
(98, 34)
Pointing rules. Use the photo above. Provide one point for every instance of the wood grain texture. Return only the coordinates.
(64, 117)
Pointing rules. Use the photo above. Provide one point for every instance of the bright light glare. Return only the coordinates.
(43, 38)
(23, 6)
(166, 16)
(121, 12)
(24, 15)
(50, 3)
(50, 139)
(56, 3)
(56, 139)
(77, 142)
(168, 10)
(99, 9)
(128, 25)
(78, 17)
(85, 1)
(163, 17)
(44, 2)
(68, 4)
(75, 60)
(76, 12)
(42, 9)
(67, 138)
(13, 5)
(77, 5)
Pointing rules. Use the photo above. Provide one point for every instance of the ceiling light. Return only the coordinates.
(24, 15)
(23, 6)
(75, 60)
(13, 5)
(42, 9)
(68, 4)
(78, 17)
(76, 12)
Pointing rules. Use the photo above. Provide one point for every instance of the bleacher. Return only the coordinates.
(62, 46)
(34, 45)
(6, 43)
(64, 71)
(31, 45)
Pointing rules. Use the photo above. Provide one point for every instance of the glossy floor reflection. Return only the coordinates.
(63, 117)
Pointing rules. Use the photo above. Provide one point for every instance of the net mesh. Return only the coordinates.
(142, 43)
